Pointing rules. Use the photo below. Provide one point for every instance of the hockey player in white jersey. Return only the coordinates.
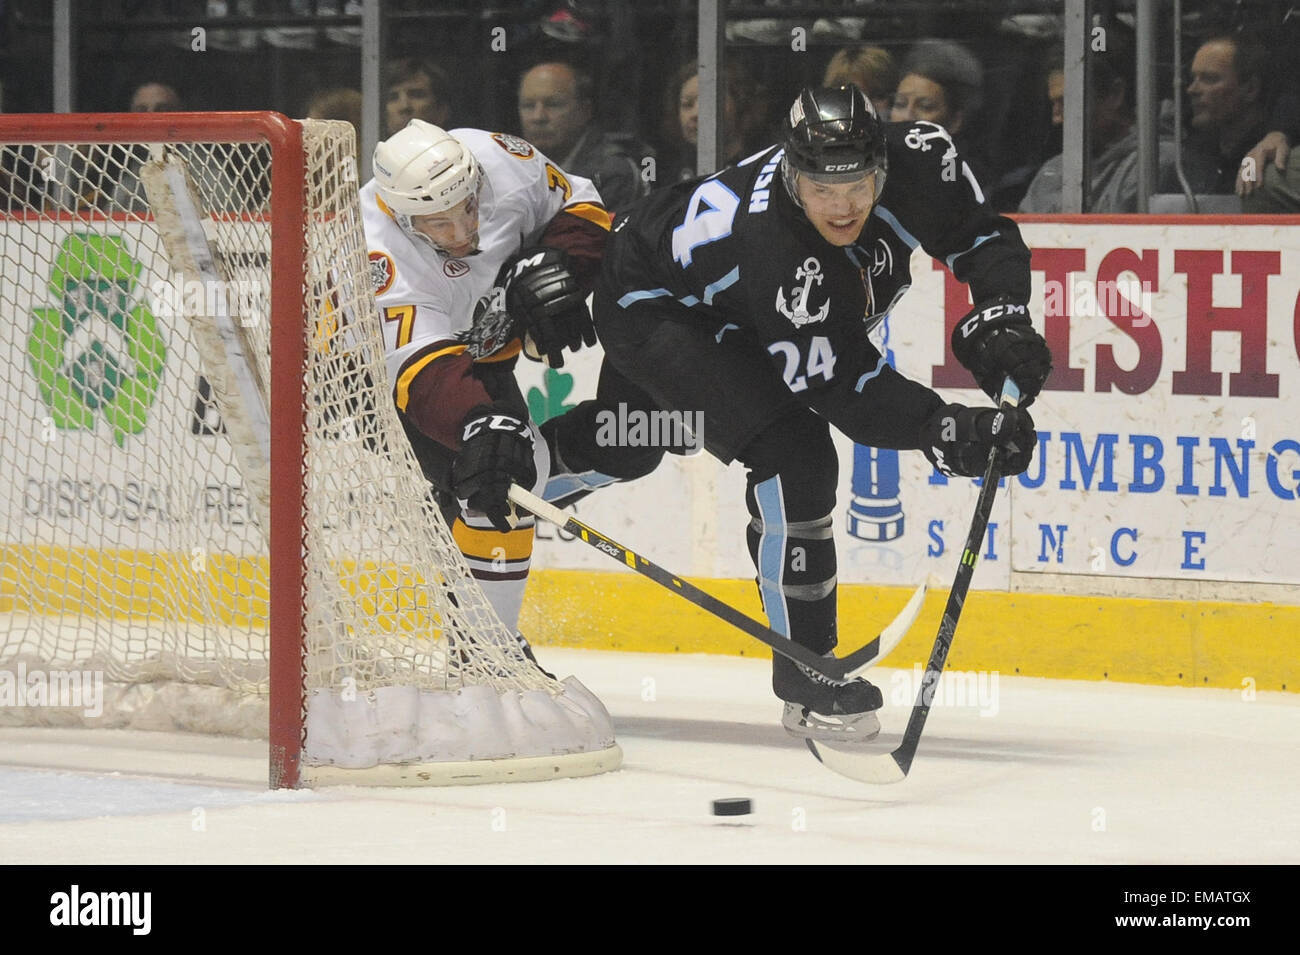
(480, 246)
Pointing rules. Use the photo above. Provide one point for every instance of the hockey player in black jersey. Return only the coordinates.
(748, 296)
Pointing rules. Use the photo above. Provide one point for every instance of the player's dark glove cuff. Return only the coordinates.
(496, 450)
(997, 340)
(957, 440)
(544, 298)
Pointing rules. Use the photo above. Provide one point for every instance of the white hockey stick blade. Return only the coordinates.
(893, 634)
(878, 768)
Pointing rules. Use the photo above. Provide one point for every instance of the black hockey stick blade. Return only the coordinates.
(837, 668)
(893, 767)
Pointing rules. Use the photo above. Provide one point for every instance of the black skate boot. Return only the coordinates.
(822, 709)
(528, 652)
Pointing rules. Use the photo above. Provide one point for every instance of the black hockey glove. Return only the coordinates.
(997, 340)
(496, 449)
(957, 440)
(544, 298)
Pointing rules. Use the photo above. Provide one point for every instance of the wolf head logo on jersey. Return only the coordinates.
(382, 272)
(797, 311)
(491, 328)
(519, 148)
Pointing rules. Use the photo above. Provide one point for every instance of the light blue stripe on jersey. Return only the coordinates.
(978, 242)
(880, 366)
(641, 294)
(722, 284)
(710, 290)
(771, 553)
(897, 226)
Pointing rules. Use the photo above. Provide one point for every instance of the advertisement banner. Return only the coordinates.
(1169, 432)
(98, 369)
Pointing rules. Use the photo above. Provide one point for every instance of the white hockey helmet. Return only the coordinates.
(421, 170)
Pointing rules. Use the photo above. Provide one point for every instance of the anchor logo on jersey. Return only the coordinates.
(918, 138)
(809, 273)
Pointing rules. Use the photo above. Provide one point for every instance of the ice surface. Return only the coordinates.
(1054, 772)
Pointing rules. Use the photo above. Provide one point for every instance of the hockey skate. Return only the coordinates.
(482, 662)
(827, 711)
(528, 652)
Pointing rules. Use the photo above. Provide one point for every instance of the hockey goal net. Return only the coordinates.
(210, 508)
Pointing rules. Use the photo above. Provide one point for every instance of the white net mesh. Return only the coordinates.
(134, 539)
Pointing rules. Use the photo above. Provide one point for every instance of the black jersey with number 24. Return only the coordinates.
(736, 250)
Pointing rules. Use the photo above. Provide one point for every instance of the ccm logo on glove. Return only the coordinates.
(497, 422)
(998, 341)
(1008, 310)
(527, 262)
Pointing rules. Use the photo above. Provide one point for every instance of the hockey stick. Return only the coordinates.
(893, 767)
(837, 668)
(225, 341)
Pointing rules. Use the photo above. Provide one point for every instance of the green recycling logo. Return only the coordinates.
(95, 353)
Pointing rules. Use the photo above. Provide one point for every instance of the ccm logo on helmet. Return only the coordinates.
(843, 167)
(453, 187)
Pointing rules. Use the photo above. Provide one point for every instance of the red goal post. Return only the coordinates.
(360, 627)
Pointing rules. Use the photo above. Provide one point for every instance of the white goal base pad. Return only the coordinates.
(530, 769)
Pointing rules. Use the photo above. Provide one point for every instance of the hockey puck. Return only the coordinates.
(732, 807)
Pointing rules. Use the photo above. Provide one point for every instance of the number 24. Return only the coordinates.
(821, 361)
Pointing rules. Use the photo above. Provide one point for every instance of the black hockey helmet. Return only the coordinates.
(833, 135)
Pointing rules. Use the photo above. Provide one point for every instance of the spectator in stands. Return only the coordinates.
(415, 89)
(871, 68)
(1284, 111)
(1038, 134)
(1230, 113)
(943, 83)
(229, 186)
(556, 110)
(1278, 191)
(155, 98)
(682, 119)
(340, 102)
(1113, 170)
(126, 191)
(1056, 97)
